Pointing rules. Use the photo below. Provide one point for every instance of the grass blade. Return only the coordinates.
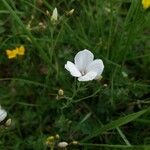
(16, 17)
(115, 124)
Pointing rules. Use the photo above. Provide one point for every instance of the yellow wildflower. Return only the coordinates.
(11, 54)
(17, 51)
(146, 4)
(21, 50)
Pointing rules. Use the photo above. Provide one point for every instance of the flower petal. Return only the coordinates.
(83, 58)
(72, 69)
(88, 77)
(96, 66)
(146, 4)
(11, 54)
(3, 114)
(21, 50)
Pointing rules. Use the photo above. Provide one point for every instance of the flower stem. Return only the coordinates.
(52, 148)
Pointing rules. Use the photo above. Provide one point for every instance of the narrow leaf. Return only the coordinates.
(116, 123)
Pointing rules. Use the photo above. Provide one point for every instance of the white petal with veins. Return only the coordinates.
(72, 69)
(83, 58)
(3, 114)
(88, 77)
(96, 66)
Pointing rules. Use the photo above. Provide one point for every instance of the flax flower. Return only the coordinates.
(3, 114)
(146, 4)
(85, 67)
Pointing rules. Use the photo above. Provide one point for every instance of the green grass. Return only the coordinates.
(116, 116)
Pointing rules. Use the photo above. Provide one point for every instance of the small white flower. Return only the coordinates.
(3, 114)
(62, 144)
(85, 67)
(54, 16)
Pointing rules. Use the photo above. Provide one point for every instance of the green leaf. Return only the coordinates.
(115, 124)
(2, 30)
(2, 23)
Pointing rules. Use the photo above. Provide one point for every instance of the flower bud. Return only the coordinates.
(57, 136)
(75, 142)
(47, 13)
(54, 17)
(124, 74)
(51, 138)
(8, 122)
(70, 12)
(42, 25)
(50, 141)
(62, 144)
(60, 92)
(105, 85)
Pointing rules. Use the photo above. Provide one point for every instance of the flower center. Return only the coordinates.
(83, 72)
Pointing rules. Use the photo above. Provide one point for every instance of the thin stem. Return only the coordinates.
(87, 97)
(52, 148)
(123, 136)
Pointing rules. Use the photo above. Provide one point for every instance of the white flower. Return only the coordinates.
(54, 16)
(62, 144)
(85, 67)
(3, 114)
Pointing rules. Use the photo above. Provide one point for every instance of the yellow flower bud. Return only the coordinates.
(51, 138)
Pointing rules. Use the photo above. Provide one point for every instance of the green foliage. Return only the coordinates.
(105, 113)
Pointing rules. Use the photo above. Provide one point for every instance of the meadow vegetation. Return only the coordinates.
(44, 100)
